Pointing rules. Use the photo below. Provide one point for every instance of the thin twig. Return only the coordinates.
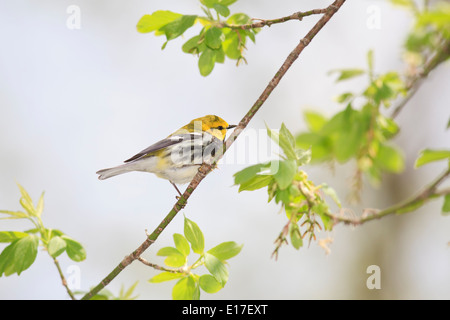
(206, 168)
(160, 268)
(63, 279)
(263, 23)
(428, 193)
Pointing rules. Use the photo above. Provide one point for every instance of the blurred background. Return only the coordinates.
(75, 101)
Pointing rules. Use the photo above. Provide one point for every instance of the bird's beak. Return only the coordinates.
(232, 126)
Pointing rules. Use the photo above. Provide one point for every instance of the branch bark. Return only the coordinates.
(263, 23)
(206, 168)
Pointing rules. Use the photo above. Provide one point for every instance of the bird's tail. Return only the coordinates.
(111, 172)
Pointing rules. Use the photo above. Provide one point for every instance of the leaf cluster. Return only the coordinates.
(361, 131)
(22, 250)
(188, 283)
(430, 33)
(289, 186)
(216, 40)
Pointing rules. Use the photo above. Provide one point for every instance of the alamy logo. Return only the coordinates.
(374, 280)
(73, 21)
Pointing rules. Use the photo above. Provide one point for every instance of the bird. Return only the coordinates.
(177, 157)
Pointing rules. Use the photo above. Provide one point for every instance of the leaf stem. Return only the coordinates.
(158, 267)
(63, 279)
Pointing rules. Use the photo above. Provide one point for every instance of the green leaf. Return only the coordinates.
(209, 284)
(40, 205)
(283, 196)
(320, 146)
(428, 155)
(221, 9)
(74, 249)
(349, 135)
(6, 259)
(14, 214)
(370, 62)
(251, 34)
(226, 2)
(314, 120)
(165, 276)
(128, 294)
(167, 251)
(156, 20)
(385, 88)
(257, 182)
(388, 127)
(181, 244)
(405, 3)
(175, 258)
(186, 289)
(295, 235)
(192, 44)
(209, 3)
(285, 173)
(418, 40)
(214, 37)
(303, 156)
(206, 62)
(26, 201)
(104, 294)
(178, 26)
(10, 236)
(344, 97)
(238, 18)
(56, 246)
(220, 55)
(322, 210)
(345, 74)
(248, 173)
(389, 159)
(446, 205)
(231, 46)
(286, 135)
(225, 250)
(217, 268)
(438, 18)
(25, 252)
(194, 235)
(331, 193)
(284, 139)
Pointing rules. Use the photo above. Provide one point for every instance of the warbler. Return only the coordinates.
(178, 157)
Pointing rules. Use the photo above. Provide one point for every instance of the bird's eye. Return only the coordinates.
(220, 127)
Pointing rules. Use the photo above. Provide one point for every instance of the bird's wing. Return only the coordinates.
(169, 141)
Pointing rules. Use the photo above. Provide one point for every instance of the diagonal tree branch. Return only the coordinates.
(206, 168)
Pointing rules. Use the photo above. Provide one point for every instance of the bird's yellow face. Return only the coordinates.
(211, 124)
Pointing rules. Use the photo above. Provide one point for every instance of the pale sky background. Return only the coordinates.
(75, 101)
